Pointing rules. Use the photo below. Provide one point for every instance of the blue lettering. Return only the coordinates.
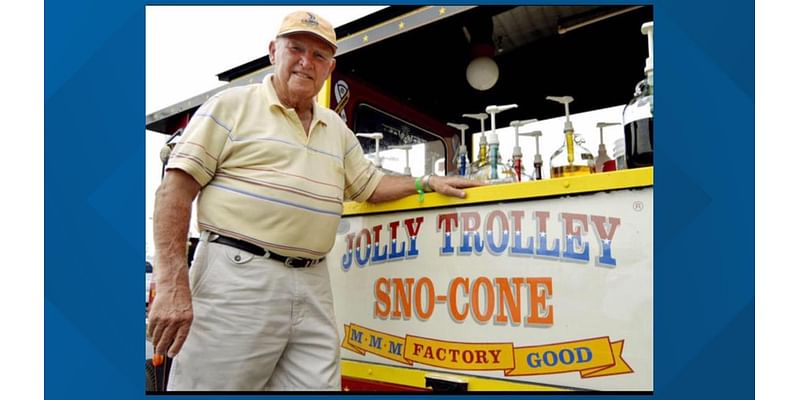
(447, 248)
(412, 247)
(605, 228)
(347, 258)
(570, 242)
(552, 357)
(497, 249)
(396, 254)
(355, 335)
(542, 249)
(517, 249)
(395, 348)
(563, 358)
(466, 248)
(362, 261)
(490, 229)
(412, 229)
(584, 354)
(533, 360)
(377, 257)
(449, 221)
(605, 257)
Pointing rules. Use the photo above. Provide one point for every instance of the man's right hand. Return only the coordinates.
(170, 319)
(171, 312)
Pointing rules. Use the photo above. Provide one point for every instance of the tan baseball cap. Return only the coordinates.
(305, 21)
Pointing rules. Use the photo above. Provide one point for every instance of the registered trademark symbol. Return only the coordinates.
(638, 205)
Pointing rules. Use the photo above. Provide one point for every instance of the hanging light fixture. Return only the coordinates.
(482, 70)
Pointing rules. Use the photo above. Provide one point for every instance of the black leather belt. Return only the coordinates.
(292, 262)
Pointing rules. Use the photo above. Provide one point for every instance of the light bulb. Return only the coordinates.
(482, 73)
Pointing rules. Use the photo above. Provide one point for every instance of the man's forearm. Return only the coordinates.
(393, 188)
(171, 314)
(173, 210)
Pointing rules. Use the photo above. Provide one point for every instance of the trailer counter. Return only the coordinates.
(542, 285)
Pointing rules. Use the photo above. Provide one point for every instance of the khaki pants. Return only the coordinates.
(258, 325)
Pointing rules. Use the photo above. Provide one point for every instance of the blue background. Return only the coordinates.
(94, 199)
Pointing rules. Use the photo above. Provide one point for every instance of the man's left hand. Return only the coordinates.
(451, 185)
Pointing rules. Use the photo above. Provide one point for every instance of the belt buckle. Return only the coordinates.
(290, 262)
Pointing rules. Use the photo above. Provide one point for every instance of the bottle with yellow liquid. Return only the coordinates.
(478, 170)
(571, 159)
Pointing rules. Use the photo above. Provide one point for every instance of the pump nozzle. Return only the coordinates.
(480, 116)
(602, 125)
(604, 162)
(377, 136)
(462, 150)
(537, 158)
(568, 130)
(498, 109)
(493, 110)
(517, 125)
(462, 127)
(647, 29)
(494, 144)
(516, 155)
(482, 143)
(536, 135)
(406, 147)
(565, 100)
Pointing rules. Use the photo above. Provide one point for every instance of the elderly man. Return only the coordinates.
(272, 169)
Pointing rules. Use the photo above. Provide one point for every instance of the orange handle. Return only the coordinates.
(158, 359)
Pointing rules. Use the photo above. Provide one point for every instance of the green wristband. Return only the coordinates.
(418, 184)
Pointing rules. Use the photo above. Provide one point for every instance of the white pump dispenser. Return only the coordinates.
(563, 162)
(604, 163)
(647, 29)
(377, 136)
(463, 160)
(494, 110)
(494, 143)
(480, 160)
(537, 159)
(565, 100)
(516, 155)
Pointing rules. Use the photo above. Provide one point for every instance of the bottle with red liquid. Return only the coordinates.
(604, 163)
(517, 153)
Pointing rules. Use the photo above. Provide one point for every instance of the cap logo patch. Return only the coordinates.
(311, 20)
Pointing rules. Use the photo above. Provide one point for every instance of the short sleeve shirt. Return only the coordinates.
(264, 180)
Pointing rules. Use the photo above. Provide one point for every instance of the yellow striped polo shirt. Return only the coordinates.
(266, 182)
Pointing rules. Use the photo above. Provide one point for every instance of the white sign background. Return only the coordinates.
(588, 300)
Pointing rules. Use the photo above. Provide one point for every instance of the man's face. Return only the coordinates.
(302, 64)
